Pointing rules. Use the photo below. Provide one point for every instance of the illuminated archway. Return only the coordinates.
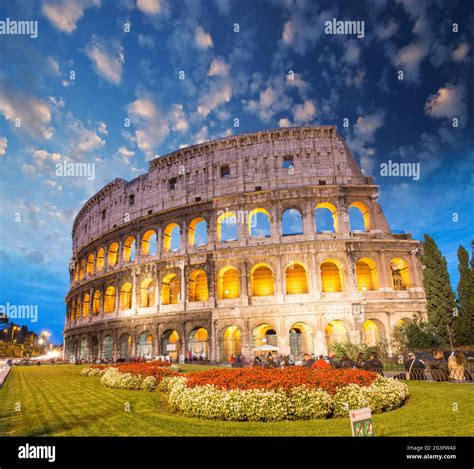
(112, 254)
(149, 243)
(261, 277)
(326, 218)
(126, 296)
(170, 344)
(198, 343)
(336, 332)
(373, 332)
(259, 223)
(265, 334)
(107, 347)
(147, 293)
(172, 238)
(129, 249)
(99, 260)
(291, 222)
(82, 268)
(197, 232)
(85, 305)
(400, 274)
(125, 346)
(359, 217)
(109, 300)
(228, 283)
(96, 303)
(331, 277)
(300, 339)
(144, 345)
(78, 308)
(232, 342)
(296, 279)
(170, 289)
(227, 227)
(197, 286)
(367, 274)
(90, 264)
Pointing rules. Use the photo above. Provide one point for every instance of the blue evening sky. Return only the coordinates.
(65, 96)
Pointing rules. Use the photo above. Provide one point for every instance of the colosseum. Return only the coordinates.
(273, 239)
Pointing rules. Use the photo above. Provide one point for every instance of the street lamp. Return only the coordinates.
(6, 334)
(14, 328)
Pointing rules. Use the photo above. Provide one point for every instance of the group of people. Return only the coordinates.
(455, 368)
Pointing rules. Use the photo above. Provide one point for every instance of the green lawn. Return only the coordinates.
(57, 400)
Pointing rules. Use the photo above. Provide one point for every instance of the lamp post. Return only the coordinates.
(14, 328)
(6, 334)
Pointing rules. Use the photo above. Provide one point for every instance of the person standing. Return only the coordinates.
(457, 366)
(374, 364)
(415, 368)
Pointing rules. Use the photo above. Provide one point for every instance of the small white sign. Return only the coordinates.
(171, 348)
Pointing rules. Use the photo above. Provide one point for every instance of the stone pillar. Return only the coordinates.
(384, 272)
(309, 221)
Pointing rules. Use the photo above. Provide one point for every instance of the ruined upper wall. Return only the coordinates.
(255, 160)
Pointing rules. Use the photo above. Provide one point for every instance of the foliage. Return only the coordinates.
(440, 300)
(464, 322)
(416, 335)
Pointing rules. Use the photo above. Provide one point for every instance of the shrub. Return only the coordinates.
(348, 398)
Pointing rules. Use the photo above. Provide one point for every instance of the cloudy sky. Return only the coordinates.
(182, 72)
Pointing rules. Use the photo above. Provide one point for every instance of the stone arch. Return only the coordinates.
(300, 339)
(292, 222)
(94, 348)
(367, 274)
(147, 293)
(197, 232)
(265, 334)
(373, 332)
(129, 249)
(363, 211)
(227, 227)
(107, 347)
(82, 269)
(198, 289)
(170, 289)
(126, 296)
(172, 237)
(100, 259)
(85, 305)
(337, 331)
(112, 254)
(259, 216)
(296, 279)
(400, 274)
(125, 346)
(231, 342)
(228, 283)
(84, 349)
(198, 342)
(90, 264)
(149, 243)
(109, 299)
(96, 302)
(326, 217)
(262, 280)
(331, 275)
(145, 344)
(170, 344)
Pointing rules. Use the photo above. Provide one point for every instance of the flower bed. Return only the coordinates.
(281, 394)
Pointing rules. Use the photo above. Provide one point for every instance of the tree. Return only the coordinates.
(464, 324)
(440, 297)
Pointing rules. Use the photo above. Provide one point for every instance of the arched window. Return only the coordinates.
(170, 344)
(147, 293)
(149, 243)
(232, 342)
(126, 296)
(198, 343)
(109, 300)
(99, 261)
(129, 249)
(331, 277)
(291, 222)
(400, 274)
(198, 232)
(82, 268)
(373, 332)
(172, 238)
(326, 218)
(359, 217)
(78, 308)
(170, 290)
(259, 223)
(125, 347)
(145, 343)
(90, 264)
(107, 347)
(227, 227)
(72, 309)
(296, 279)
(300, 339)
(96, 303)
(76, 273)
(85, 305)
(197, 286)
(94, 348)
(262, 281)
(228, 283)
(265, 335)
(336, 332)
(112, 255)
(367, 275)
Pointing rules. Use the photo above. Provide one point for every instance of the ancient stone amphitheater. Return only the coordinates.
(272, 239)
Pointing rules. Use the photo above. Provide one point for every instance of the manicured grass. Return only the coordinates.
(57, 400)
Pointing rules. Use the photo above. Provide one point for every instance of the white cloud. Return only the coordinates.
(202, 39)
(64, 14)
(409, 59)
(34, 114)
(304, 113)
(28, 169)
(151, 7)
(107, 58)
(218, 68)
(284, 122)
(146, 41)
(448, 102)
(102, 129)
(217, 94)
(82, 140)
(352, 52)
(460, 53)
(3, 145)
(178, 118)
(151, 125)
(43, 155)
(125, 152)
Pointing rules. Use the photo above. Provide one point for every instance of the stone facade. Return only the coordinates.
(180, 297)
